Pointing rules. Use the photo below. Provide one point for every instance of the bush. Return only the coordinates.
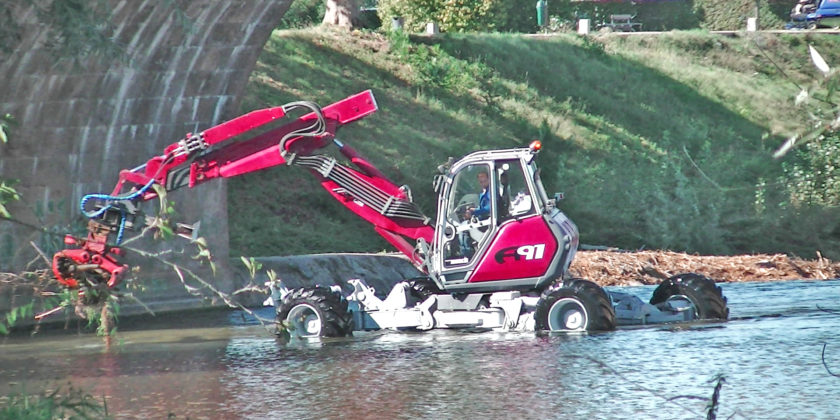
(459, 15)
(732, 14)
(516, 16)
(435, 68)
(814, 180)
(415, 14)
(653, 16)
(668, 15)
(303, 13)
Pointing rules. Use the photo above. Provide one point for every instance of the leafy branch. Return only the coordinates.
(6, 122)
(79, 28)
(100, 304)
(76, 29)
(821, 121)
(185, 273)
(44, 293)
(7, 190)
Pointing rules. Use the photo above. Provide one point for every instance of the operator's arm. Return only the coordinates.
(483, 209)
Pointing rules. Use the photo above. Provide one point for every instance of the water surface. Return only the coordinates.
(220, 364)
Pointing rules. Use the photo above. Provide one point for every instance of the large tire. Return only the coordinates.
(577, 305)
(704, 294)
(315, 312)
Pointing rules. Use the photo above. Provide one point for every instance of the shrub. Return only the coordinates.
(667, 15)
(516, 16)
(459, 15)
(303, 13)
(63, 403)
(814, 180)
(733, 14)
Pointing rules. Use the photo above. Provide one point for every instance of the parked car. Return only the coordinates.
(826, 15)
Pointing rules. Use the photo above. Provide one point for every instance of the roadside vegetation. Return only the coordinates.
(657, 141)
(518, 17)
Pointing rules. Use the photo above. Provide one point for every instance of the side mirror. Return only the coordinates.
(552, 202)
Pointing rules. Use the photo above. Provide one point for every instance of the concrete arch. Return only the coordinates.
(78, 125)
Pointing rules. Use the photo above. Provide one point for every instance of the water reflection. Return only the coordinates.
(224, 366)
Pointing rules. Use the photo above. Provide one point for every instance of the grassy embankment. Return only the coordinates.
(658, 141)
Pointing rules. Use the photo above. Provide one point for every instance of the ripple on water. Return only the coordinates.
(772, 365)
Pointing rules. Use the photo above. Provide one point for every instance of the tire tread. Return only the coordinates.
(336, 321)
(703, 291)
(594, 298)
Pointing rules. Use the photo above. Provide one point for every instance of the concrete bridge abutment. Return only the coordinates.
(79, 122)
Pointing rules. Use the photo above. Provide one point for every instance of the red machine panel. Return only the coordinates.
(520, 249)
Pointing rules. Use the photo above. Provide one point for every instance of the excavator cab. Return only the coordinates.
(496, 227)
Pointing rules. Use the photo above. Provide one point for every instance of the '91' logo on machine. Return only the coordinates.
(528, 252)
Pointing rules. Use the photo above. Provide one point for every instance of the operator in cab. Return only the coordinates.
(483, 210)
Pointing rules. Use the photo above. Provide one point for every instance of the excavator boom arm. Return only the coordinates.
(225, 151)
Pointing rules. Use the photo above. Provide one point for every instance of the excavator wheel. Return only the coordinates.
(702, 292)
(577, 305)
(315, 312)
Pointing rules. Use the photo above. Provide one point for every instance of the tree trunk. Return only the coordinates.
(343, 13)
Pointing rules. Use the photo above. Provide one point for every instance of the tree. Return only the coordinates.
(342, 13)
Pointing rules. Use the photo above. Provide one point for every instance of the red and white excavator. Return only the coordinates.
(496, 256)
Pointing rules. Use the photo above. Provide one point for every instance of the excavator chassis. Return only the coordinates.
(682, 298)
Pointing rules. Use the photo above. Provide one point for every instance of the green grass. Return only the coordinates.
(65, 402)
(657, 141)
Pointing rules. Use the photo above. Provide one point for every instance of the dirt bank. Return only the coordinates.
(618, 268)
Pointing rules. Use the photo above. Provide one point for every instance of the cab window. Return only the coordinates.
(469, 213)
(515, 198)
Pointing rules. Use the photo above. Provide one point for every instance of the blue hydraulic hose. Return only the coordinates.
(107, 197)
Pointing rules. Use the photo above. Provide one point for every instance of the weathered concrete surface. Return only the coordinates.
(79, 124)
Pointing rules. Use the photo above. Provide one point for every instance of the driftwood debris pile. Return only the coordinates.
(611, 268)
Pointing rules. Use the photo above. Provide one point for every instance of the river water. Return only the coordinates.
(220, 364)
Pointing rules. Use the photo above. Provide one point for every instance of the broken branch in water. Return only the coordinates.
(825, 365)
